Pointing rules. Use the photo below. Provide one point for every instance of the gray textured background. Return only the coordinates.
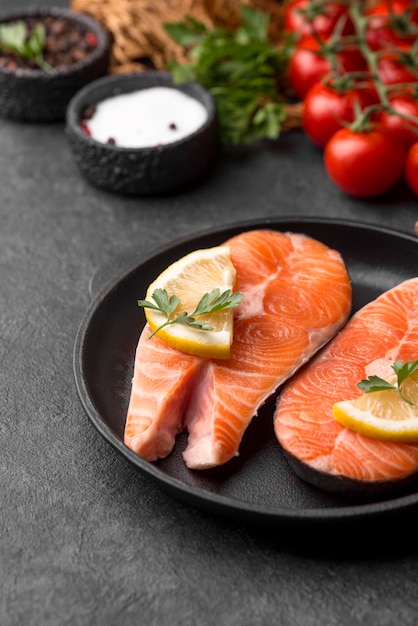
(85, 539)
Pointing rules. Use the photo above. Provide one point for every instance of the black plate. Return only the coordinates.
(258, 486)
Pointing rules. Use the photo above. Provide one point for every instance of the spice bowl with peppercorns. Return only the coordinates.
(46, 56)
(140, 134)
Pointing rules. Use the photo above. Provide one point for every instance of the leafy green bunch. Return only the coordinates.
(240, 68)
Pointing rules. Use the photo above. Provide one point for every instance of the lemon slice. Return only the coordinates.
(383, 414)
(190, 278)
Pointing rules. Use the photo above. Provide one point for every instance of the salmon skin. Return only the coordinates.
(320, 449)
(297, 295)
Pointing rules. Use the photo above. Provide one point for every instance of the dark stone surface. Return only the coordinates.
(84, 538)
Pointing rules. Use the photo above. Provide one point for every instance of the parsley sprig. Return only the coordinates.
(15, 38)
(402, 370)
(209, 303)
(240, 68)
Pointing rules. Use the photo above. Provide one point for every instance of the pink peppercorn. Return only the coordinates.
(85, 128)
(91, 39)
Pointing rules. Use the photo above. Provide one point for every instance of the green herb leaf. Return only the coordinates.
(374, 383)
(14, 38)
(212, 302)
(187, 33)
(162, 302)
(255, 25)
(209, 303)
(402, 370)
(240, 68)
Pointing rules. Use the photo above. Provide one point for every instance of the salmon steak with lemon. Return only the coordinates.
(295, 295)
(345, 423)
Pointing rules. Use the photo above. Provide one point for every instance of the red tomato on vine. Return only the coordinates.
(393, 70)
(325, 109)
(390, 24)
(411, 168)
(400, 128)
(324, 18)
(365, 163)
(310, 63)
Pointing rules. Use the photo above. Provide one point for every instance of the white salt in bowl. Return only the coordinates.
(140, 134)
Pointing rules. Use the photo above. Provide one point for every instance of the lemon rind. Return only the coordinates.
(405, 431)
(194, 341)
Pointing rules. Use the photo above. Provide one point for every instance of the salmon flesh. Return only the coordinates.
(297, 295)
(319, 448)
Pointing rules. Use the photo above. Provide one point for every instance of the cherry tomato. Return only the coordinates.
(398, 127)
(389, 24)
(325, 109)
(308, 64)
(411, 168)
(364, 164)
(323, 21)
(392, 70)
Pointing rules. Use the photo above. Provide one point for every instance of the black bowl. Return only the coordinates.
(141, 171)
(36, 95)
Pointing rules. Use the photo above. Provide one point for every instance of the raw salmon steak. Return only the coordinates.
(322, 451)
(297, 295)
